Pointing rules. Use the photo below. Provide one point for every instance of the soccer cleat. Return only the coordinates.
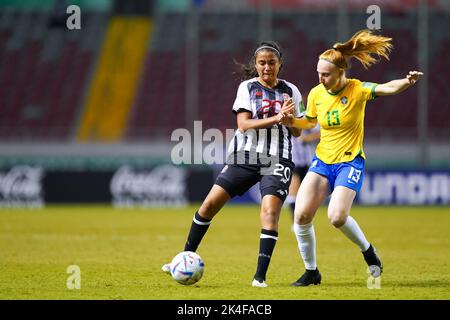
(166, 268)
(373, 261)
(308, 278)
(259, 284)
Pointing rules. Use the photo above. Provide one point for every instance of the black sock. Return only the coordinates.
(370, 256)
(267, 242)
(198, 229)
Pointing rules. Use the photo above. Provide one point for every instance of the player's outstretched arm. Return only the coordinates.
(399, 85)
(300, 123)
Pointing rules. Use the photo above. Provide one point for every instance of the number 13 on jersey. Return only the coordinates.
(333, 118)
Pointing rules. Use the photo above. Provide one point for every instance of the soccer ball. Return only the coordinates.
(187, 267)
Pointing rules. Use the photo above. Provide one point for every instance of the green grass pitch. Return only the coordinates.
(120, 253)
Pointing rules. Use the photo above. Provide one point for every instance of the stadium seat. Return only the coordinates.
(43, 75)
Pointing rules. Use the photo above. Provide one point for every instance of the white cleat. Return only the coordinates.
(166, 268)
(258, 284)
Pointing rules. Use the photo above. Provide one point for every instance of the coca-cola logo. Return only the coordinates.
(164, 185)
(21, 186)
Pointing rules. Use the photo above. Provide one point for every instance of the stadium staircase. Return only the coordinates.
(114, 84)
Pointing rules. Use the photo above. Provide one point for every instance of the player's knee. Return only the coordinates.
(302, 216)
(302, 219)
(337, 218)
(269, 217)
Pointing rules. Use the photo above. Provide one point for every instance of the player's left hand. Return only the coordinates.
(288, 107)
(413, 76)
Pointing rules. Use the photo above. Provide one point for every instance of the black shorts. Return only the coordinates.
(236, 179)
(301, 171)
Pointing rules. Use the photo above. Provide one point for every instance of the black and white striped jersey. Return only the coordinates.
(263, 102)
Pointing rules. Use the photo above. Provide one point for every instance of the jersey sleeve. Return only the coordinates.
(368, 90)
(242, 101)
(311, 109)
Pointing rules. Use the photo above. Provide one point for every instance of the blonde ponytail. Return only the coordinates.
(362, 46)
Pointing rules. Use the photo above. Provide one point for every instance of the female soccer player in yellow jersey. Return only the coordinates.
(338, 105)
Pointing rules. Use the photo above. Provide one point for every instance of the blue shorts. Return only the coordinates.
(347, 174)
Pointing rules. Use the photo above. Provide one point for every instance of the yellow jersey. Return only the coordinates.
(341, 120)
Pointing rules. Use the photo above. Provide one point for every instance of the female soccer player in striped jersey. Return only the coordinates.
(259, 152)
(338, 105)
